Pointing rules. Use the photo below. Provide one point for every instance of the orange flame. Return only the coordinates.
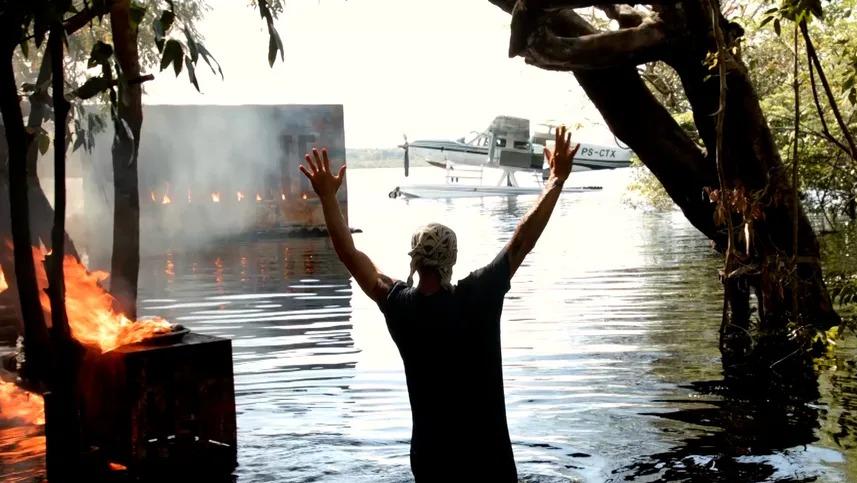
(116, 466)
(240, 196)
(167, 200)
(91, 316)
(3, 284)
(283, 196)
(258, 197)
(16, 403)
(304, 196)
(215, 197)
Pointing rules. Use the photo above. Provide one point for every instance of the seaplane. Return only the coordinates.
(506, 149)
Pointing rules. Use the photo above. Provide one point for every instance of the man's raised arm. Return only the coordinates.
(326, 184)
(531, 226)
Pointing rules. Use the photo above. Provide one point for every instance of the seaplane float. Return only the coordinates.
(507, 148)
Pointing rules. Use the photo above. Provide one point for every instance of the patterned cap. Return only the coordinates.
(434, 246)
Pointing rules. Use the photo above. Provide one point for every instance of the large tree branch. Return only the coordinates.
(82, 18)
(548, 5)
(625, 15)
(640, 121)
(629, 46)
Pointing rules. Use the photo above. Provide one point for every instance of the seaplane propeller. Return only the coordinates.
(407, 159)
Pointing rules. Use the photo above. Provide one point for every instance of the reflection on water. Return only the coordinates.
(610, 350)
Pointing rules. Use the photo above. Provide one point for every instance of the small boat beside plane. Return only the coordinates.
(507, 147)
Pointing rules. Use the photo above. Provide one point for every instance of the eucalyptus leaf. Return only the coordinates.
(191, 72)
(173, 54)
(92, 87)
(99, 54)
(167, 18)
(275, 44)
(137, 13)
(191, 45)
(209, 59)
(44, 143)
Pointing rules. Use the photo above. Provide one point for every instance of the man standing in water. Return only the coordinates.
(448, 335)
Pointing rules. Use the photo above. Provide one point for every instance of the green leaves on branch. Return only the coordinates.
(275, 44)
(137, 12)
(92, 87)
(794, 10)
(191, 72)
(181, 54)
(209, 59)
(44, 142)
(173, 54)
(100, 54)
(191, 45)
(161, 26)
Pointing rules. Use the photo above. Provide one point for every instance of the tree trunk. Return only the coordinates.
(35, 331)
(125, 264)
(61, 408)
(604, 63)
(41, 212)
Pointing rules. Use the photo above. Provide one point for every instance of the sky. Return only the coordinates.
(435, 69)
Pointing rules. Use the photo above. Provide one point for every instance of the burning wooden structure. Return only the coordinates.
(209, 172)
(145, 397)
(151, 397)
(158, 406)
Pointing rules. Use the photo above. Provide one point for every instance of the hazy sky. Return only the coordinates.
(431, 69)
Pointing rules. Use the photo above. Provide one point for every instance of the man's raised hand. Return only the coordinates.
(561, 158)
(324, 183)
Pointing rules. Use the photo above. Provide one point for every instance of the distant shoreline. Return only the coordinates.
(377, 158)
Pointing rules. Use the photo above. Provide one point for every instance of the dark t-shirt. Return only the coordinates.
(450, 345)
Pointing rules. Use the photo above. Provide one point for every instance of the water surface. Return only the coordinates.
(609, 349)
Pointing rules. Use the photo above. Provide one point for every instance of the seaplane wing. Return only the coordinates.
(439, 152)
(589, 156)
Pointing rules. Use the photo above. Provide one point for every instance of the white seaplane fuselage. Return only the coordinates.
(507, 148)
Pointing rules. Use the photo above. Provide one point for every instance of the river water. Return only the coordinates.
(609, 348)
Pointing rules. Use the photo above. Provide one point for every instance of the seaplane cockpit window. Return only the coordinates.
(500, 142)
(522, 145)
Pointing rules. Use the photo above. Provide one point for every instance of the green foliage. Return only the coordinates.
(828, 173)
(269, 10)
(166, 37)
(645, 190)
(842, 287)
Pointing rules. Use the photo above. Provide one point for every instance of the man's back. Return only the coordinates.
(450, 345)
(449, 340)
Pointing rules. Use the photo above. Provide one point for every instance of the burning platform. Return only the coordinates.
(162, 404)
(153, 398)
